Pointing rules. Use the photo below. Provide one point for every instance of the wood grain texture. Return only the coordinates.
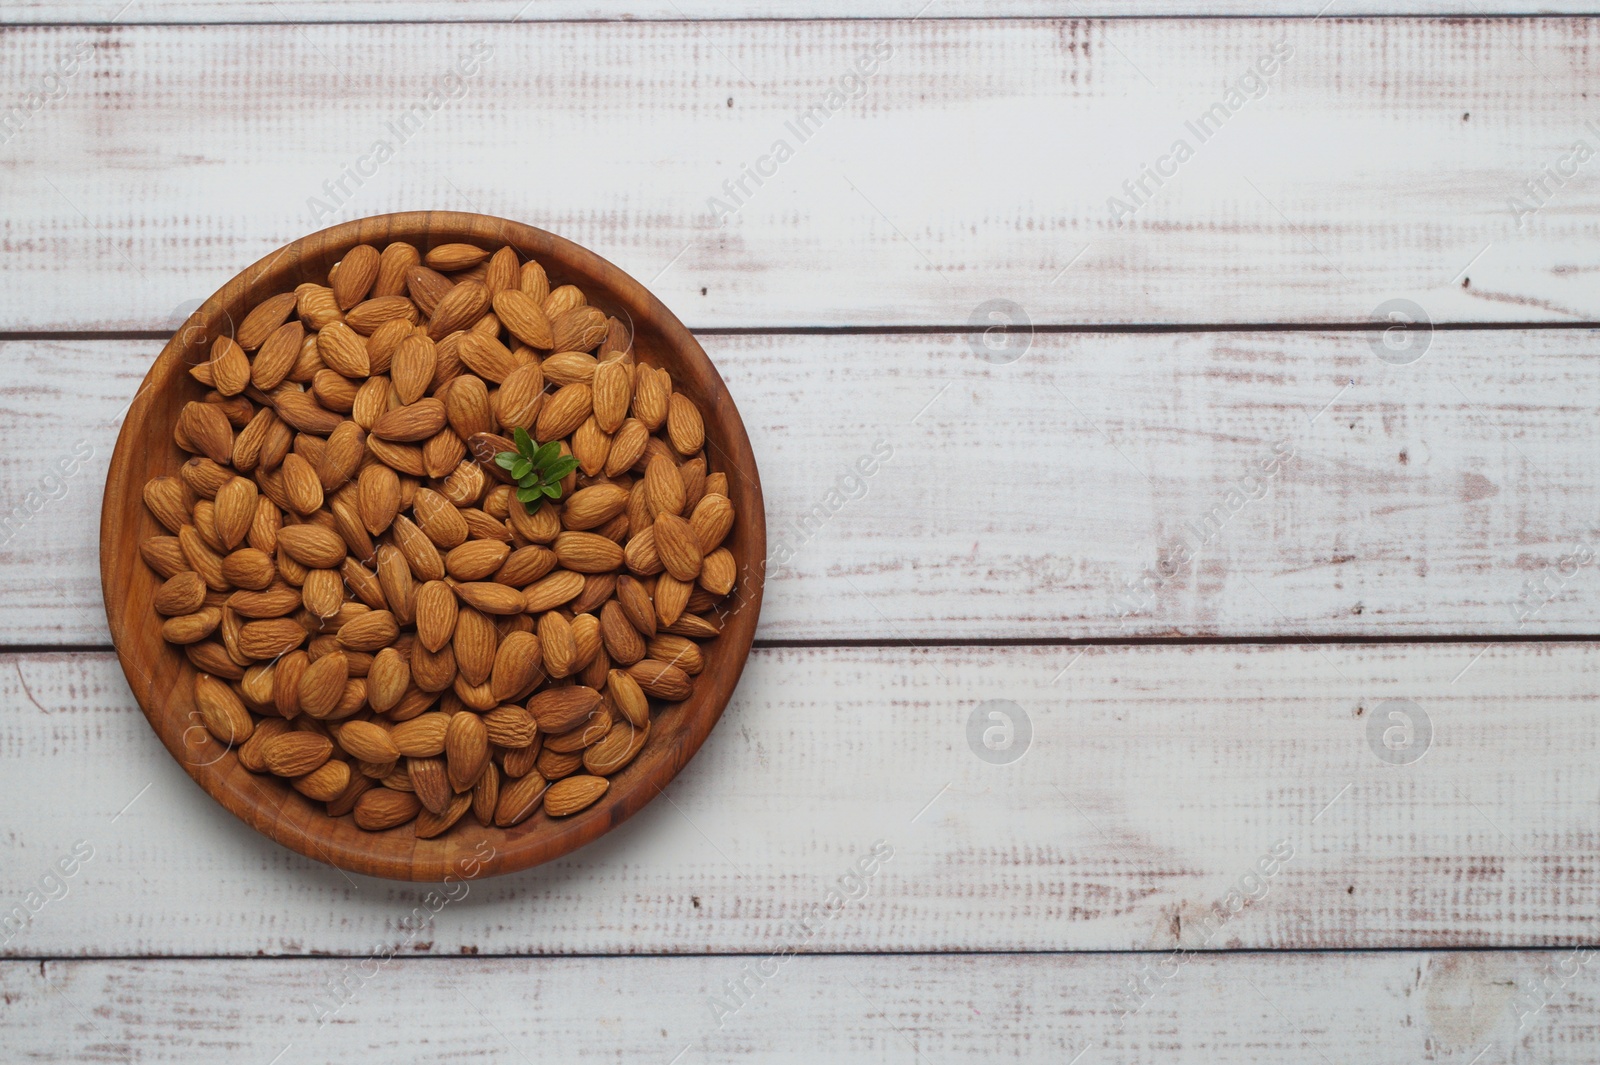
(308, 11)
(175, 154)
(1155, 783)
(162, 678)
(1020, 500)
(1255, 1009)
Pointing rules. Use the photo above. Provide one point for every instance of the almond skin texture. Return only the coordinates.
(677, 546)
(383, 808)
(295, 754)
(558, 710)
(569, 796)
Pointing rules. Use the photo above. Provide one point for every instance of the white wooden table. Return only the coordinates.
(1322, 787)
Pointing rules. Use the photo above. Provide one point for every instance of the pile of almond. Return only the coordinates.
(372, 613)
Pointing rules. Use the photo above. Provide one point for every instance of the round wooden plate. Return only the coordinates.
(162, 678)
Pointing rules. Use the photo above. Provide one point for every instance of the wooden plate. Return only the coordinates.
(162, 678)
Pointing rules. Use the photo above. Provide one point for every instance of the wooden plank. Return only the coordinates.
(187, 11)
(174, 156)
(1158, 791)
(1029, 499)
(1254, 1009)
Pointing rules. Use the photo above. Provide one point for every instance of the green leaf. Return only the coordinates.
(528, 495)
(521, 468)
(523, 441)
(506, 458)
(553, 491)
(560, 468)
(548, 453)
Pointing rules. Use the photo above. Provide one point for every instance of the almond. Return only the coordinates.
(417, 421)
(301, 411)
(613, 389)
(301, 485)
(294, 754)
(622, 640)
(230, 366)
(718, 572)
(685, 428)
(342, 457)
(641, 555)
(355, 276)
(662, 680)
(559, 587)
(387, 679)
(277, 356)
(165, 555)
(627, 447)
(322, 684)
(423, 736)
(490, 597)
(663, 487)
(368, 317)
(711, 520)
(325, 783)
(344, 350)
(367, 742)
(235, 510)
(436, 608)
(221, 711)
(516, 669)
(205, 430)
(451, 257)
(312, 545)
(458, 309)
(617, 749)
(316, 305)
(378, 497)
(579, 329)
(429, 824)
(486, 795)
(677, 651)
(476, 560)
(474, 644)
(519, 799)
(523, 318)
(263, 320)
(438, 518)
(677, 546)
(553, 765)
(383, 808)
(558, 710)
(432, 783)
(413, 366)
(487, 357)
(423, 558)
(182, 593)
(671, 598)
(562, 412)
(628, 697)
(585, 552)
(561, 299)
(569, 796)
(372, 631)
(262, 640)
(636, 604)
(466, 750)
(651, 395)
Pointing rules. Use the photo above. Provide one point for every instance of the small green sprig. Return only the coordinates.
(538, 468)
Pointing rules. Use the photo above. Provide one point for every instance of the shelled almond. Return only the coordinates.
(373, 613)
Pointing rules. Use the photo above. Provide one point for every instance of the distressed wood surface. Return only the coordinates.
(1253, 1009)
(1152, 788)
(309, 11)
(1022, 500)
(979, 163)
